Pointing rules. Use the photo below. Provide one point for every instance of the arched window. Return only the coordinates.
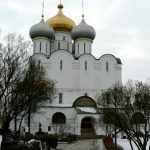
(61, 65)
(40, 46)
(85, 65)
(59, 118)
(107, 67)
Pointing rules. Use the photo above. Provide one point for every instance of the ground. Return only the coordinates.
(94, 145)
(79, 145)
(125, 144)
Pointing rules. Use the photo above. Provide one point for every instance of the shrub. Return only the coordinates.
(50, 139)
(71, 138)
(27, 137)
(15, 147)
(40, 133)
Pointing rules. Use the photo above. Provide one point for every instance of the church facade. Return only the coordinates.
(64, 49)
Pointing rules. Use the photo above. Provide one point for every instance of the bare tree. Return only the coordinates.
(131, 105)
(22, 83)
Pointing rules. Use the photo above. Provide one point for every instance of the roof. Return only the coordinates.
(86, 110)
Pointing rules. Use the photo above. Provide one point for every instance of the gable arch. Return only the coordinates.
(84, 101)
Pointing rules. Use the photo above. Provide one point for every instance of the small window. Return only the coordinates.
(58, 45)
(78, 48)
(107, 67)
(84, 48)
(61, 65)
(60, 98)
(85, 65)
(49, 128)
(63, 37)
(40, 46)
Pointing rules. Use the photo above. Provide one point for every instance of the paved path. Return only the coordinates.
(79, 145)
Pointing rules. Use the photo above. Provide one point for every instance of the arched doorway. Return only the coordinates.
(86, 123)
(58, 123)
(87, 130)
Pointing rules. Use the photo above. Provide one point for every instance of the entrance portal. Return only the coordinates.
(87, 130)
(86, 123)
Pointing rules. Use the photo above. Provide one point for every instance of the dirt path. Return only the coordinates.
(79, 145)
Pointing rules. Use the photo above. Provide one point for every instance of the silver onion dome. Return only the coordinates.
(83, 30)
(41, 29)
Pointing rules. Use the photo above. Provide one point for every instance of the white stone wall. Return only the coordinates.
(73, 80)
(76, 75)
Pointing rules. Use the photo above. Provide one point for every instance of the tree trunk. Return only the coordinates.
(131, 145)
(29, 117)
(15, 123)
(144, 146)
(20, 123)
(5, 128)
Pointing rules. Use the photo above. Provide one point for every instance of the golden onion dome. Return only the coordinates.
(60, 22)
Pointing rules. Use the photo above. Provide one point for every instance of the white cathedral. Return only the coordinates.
(64, 49)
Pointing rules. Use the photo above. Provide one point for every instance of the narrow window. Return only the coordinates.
(50, 47)
(63, 37)
(85, 65)
(61, 65)
(58, 45)
(49, 128)
(40, 46)
(84, 48)
(60, 98)
(46, 48)
(107, 67)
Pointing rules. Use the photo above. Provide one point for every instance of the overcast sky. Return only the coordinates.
(122, 27)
